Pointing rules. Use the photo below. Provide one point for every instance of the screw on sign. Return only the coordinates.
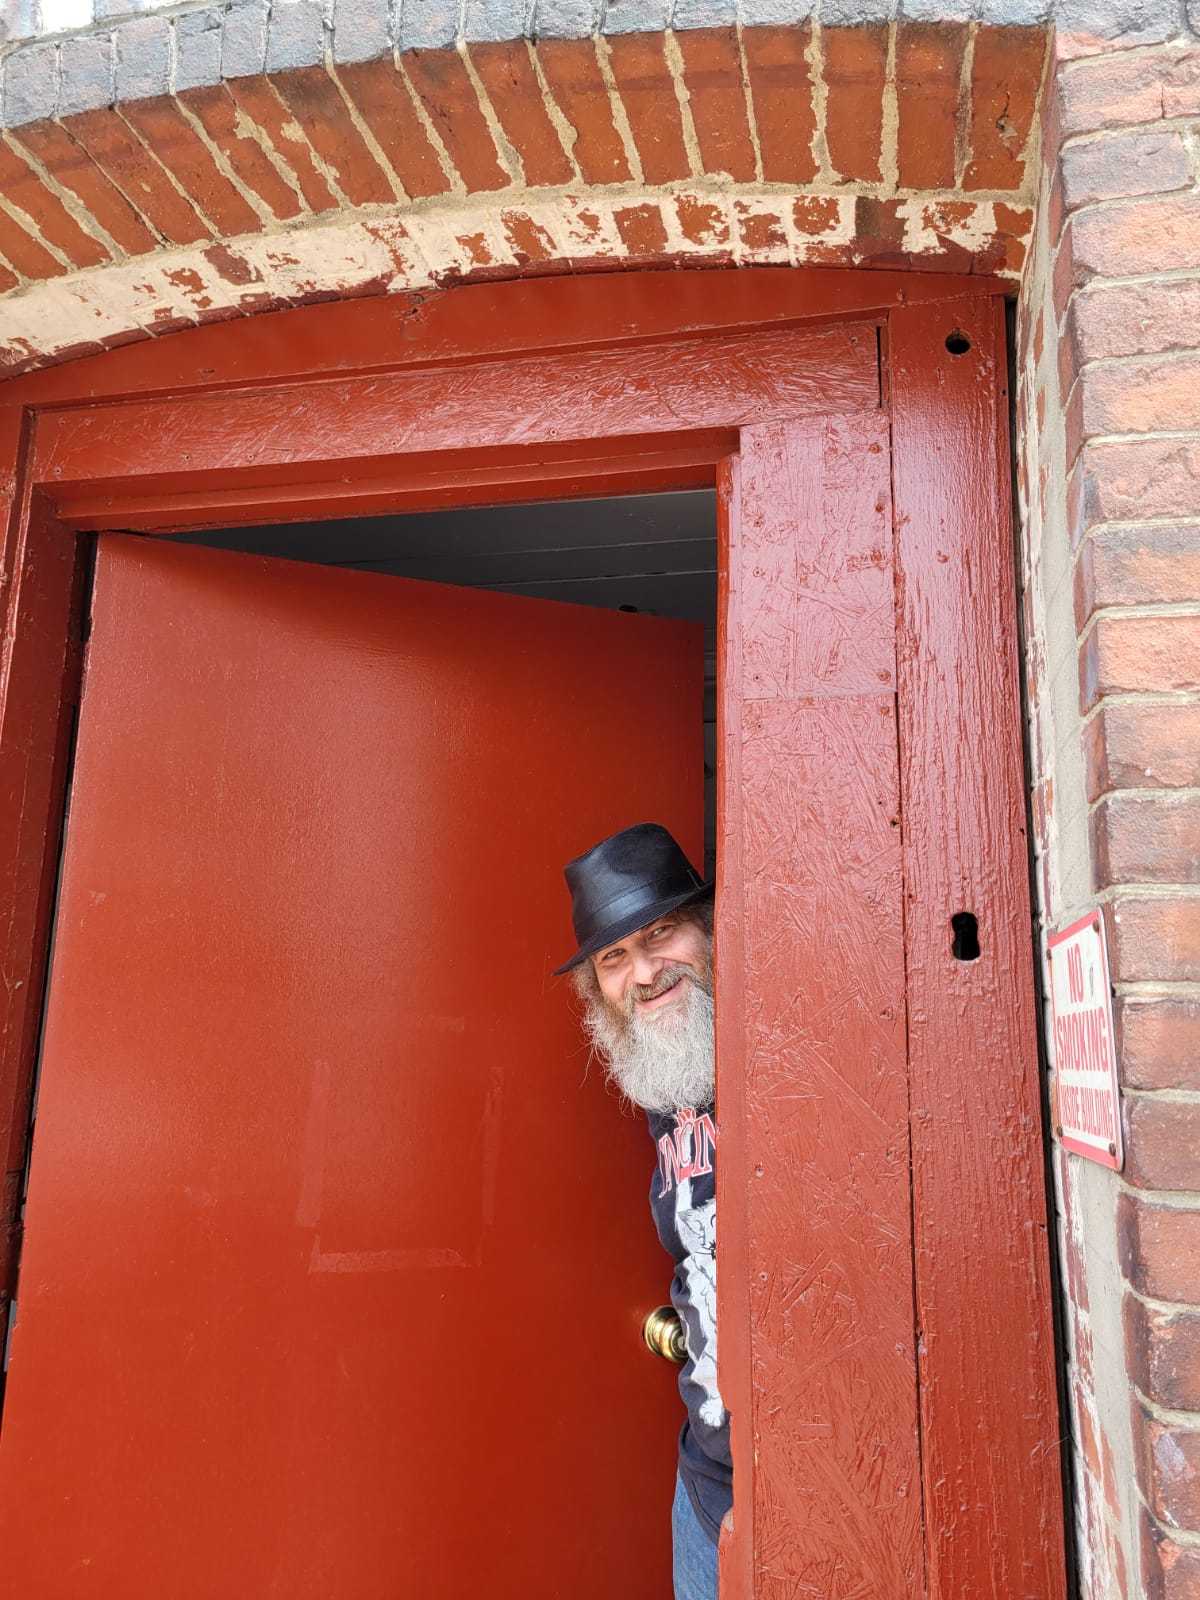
(1087, 1109)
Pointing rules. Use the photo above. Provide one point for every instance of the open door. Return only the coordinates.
(337, 1251)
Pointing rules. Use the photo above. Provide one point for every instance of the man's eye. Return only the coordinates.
(663, 928)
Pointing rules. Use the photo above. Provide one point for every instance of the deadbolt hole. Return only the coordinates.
(964, 942)
(957, 343)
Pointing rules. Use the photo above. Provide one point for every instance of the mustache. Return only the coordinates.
(674, 972)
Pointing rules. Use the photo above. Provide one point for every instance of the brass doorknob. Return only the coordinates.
(663, 1333)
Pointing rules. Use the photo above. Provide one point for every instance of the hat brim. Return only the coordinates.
(624, 926)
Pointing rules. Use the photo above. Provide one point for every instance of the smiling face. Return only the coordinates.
(649, 1010)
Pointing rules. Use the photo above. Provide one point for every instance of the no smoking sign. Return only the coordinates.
(1087, 1105)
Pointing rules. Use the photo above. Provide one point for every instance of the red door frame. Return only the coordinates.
(563, 387)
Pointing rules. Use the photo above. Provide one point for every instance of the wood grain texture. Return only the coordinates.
(820, 1225)
(988, 1404)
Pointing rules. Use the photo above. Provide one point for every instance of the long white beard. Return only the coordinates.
(662, 1061)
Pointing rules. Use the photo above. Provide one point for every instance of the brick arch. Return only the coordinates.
(902, 145)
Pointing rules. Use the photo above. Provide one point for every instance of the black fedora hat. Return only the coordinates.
(624, 882)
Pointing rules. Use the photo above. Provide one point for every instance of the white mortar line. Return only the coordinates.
(567, 135)
(258, 206)
(683, 97)
(889, 133)
(70, 201)
(748, 98)
(363, 129)
(815, 56)
(616, 106)
(962, 114)
(450, 172)
(508, 153)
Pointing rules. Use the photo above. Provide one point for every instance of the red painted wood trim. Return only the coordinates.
(989, 1412)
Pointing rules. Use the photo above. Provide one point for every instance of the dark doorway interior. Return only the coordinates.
(653, 553)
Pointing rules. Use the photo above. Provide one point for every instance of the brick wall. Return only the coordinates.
(1109, 470)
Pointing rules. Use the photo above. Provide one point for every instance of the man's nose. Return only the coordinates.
(646, 967)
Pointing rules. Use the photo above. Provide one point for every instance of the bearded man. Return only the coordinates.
(643, 923)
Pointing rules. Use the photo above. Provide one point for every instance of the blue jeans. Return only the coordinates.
(695, 1553)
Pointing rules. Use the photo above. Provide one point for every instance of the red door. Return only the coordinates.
(337, 1251)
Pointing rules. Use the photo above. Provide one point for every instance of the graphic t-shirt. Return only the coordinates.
(683, 1201)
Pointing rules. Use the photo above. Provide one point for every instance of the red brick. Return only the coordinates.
(1156, 564)
(928, 62)
(1143, 745)
(506, 72)
(70, 165)
(1144, 838)
(530, 242)
(320, 110)
(1159, 1041)
(642, 230)
(1138, 654)
(1159, 1248)
(262, 105)
(1125, 237)
(701, 220)
(217, 114)
(1006, 74)
(781, 93)
(22, 186)
(131, 166)
(1157, 940)
(166, 131)
(1121, 88)
(816, 214)
(441, 80)
(572, 71)
(639, 67)
(1169, 1470)
(385, 105)
(712, 71)
(1169, 1571)
(1163, 1354)
(1140, 479)
(1134, 319)
(9, 280)
(1162, 1143)
(1119, 165)
(1143, 394)
(760, 227)
(855, 67)
(23, 252)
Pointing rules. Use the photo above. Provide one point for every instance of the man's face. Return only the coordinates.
(649, 1012)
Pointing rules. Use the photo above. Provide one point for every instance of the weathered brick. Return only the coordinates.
(1159, 1248)
(781, 92)
(1138, 479)
(360, 31)
(639, 67)
(23, 252)
(572, 71)
(1118, 90)
(441, 80)
(87, 76)
(1169, 1469)
(427, 24)
(143, 58)
(1125, 237)
(1143, 394)
(855, 69)
(637, 16)
(1006, 76)
(197, 50)
(1162, 1143)
(1121, 165)
(1153, 564)
(70, 165)
(164, 129)
(295, 36)
(321, 112)
(702, 220)
(506, 72)
(383, 101)
(928, 62)
(22, 186)
(112, 145)
(31, 77)
(1163, 1351)
(244, 39)
(1141, 838)
(642, 230)
(1139, 654)
(1134, 319)
(216, 113)
(1169, 1571)
(256, 97)
(1156, 940)
(712, 74)
(530, 243)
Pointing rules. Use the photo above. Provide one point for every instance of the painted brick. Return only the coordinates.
(642, 230)
(113, 146)
(1169, 1571)
(258, 100)
(244, 39)
(639, 67)
(1118, 90)
(1140, 479)
(360, 31)
(24, 189)
(440, 79)
(143, 58)
(1164, 1354)
(1121, 165)
(637, 16)
(216, 112)
(530, 243)
(427, 24)
(197, 50)
(1134, 319)
(712, 71)
(30, 83)
(86, 66)
(1162, 1149)
(489, 21)
(507, 74)
(1139, 838)
(702, 220)
(381, 96)
(317, 106)
(781, 92)
(71, 166)
(855, 68)
(1005, 73)
(1123, 238)
(928, 63)
(165, 130)
(1157, 940)
(1139, 654)
(1149, 565)
(295, 36)
(1159, 1248)
(572, 71)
